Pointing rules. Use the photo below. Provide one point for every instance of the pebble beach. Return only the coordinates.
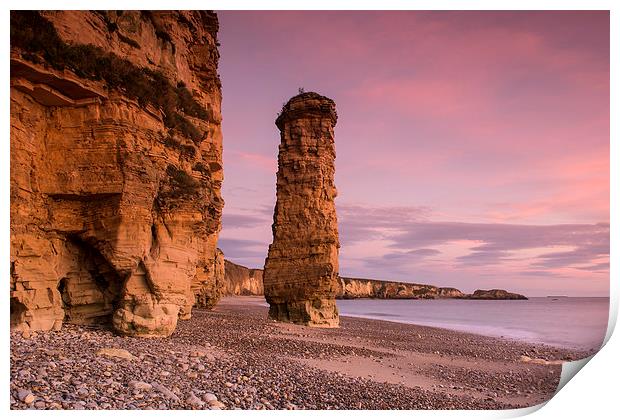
(235, 358)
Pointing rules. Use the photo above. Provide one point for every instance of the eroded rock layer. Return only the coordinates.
(116, 168)
(351, 288)
(242, 281)
(495, 294)
(301, 269)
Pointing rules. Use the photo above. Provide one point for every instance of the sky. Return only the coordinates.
(472, 147)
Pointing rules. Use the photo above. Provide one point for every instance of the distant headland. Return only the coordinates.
(240, 280)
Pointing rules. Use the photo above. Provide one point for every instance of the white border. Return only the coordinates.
(592, 395)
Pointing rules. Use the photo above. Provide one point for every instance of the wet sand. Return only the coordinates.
(234, 357)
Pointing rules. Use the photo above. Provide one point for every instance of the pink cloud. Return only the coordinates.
(265, 163)
(483, 117)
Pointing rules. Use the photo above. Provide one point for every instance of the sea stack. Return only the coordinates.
(301, 269)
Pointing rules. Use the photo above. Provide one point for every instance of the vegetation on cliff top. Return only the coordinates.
(37, 37)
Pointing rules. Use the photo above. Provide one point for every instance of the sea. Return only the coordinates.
(568, 322)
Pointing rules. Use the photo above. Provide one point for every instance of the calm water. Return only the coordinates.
(565, 322)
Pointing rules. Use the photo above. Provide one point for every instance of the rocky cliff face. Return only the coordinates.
(242, 281)
(450, 292)
(207, 293)
(495, 294)
(116, 168)
(301, 270)
(351, 288)
(377, 289)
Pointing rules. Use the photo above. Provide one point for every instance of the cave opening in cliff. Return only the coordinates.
(90, 292)
(18, 312)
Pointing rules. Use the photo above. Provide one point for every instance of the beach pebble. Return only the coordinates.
(25, 396)
(198, 353)
(216, 404)
(208, 397)
(194, 401)
(115, 352)
(165, 391)
(140, 386)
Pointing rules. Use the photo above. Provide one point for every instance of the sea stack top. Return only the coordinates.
(307, 105)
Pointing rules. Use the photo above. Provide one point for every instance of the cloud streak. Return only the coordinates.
(243, 250)
(357, 223)
(498, 241)
(483, 136)
(240, 221)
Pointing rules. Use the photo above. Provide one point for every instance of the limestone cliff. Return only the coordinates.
(450, 292)
(495, 294)
(351, 288)
(208, 293)
(116, 168)
(301, 269)
(242, 281)
(377, 289)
